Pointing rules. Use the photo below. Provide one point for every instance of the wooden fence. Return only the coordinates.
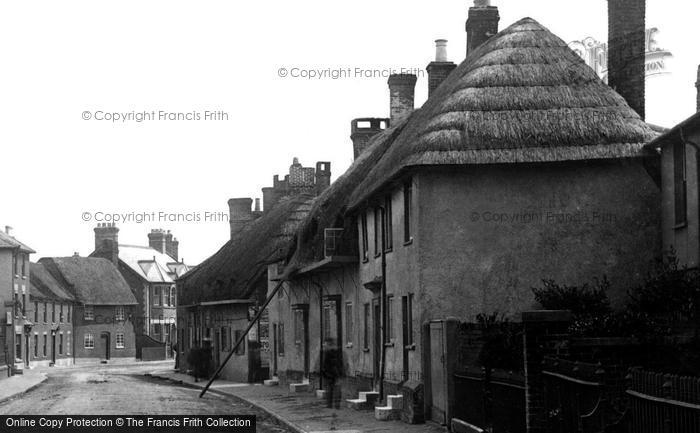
(663, 403)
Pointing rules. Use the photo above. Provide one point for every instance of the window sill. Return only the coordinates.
(377, 255)
(365, 259)
(366, 350)
(679, 226)
(348, 345)
(410, 347)
(408, 242)
(388, 250)
(389, 344)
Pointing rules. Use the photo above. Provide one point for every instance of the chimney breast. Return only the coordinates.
(402, 89)
(440, 68)
(107, 241)
(323, 176)
(362, 130)
(482, 23)
(626, 51)
(240, 214)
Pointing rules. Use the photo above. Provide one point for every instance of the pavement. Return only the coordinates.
(299, 412)
(14, 386)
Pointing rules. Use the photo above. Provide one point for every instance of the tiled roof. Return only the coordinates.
(7, 241)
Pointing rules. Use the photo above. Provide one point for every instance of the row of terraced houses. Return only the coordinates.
(521, 165)
(111, 305)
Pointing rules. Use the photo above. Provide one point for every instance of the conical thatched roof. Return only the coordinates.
(234, 271)
(523, 96)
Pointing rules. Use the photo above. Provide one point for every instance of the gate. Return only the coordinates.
(438, 382)
(581, 397)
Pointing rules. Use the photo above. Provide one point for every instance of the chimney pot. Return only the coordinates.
(257, 205)
(482, 3)
(441, 50)
(8, 230)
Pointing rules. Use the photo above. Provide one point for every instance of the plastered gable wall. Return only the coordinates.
(490, 233)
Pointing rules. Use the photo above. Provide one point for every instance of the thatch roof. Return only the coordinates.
(91, 280)
(45, 286)
(328, 210)
(234, 271)
(523, 96)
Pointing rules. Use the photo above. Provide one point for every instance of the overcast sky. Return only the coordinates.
(62, 59)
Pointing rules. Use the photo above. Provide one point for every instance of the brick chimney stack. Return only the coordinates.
(323, 176)
(626, 51)
(171, 245)
(107, 241)
(697, 86)
(362, 129)
(482, 23)
(240, 214)
(440, 68)
(402, 88)
(157, 240)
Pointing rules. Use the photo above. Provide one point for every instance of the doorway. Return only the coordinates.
(217, 348)
(274, 349)
(106, 341)
(53, 348)
(332, 322)
(377, 321)
(26, 350)
(438, 379)
(406, 334)
(301, 333)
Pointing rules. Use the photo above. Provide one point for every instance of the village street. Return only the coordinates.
(119, 390)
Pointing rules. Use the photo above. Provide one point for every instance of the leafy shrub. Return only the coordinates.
(669, 295)
(583, 301)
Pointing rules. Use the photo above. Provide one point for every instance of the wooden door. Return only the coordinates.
(438, 379)
(377, 331)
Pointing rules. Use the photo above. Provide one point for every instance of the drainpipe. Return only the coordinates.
(320, 321)
(382, 362)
